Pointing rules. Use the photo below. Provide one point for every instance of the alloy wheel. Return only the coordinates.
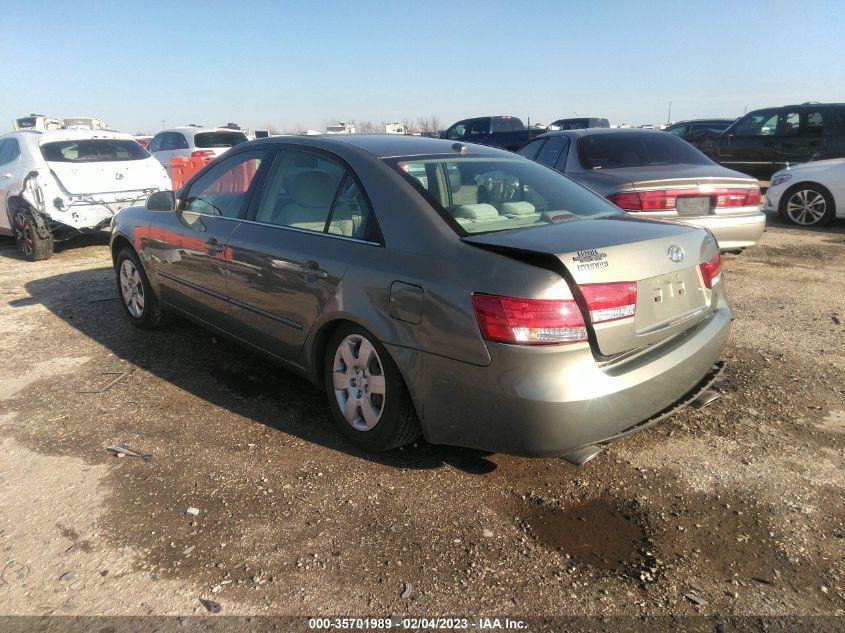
(359, 383)
(132, 288)
(806, 207)
(23, 233)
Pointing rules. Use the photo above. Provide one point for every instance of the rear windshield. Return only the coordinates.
(633, 149)
(483, 195)
(219, 139)
(93, 151)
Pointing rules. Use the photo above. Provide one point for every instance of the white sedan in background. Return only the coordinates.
(57, 184)
(809, 194)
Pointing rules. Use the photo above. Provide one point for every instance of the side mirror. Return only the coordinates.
(161, 201)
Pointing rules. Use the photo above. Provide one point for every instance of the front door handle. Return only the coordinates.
(213, 246)
(312, 269)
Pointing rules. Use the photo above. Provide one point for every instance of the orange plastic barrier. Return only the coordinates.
(181, 169)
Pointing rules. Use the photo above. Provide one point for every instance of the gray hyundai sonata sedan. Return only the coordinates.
(431, 287)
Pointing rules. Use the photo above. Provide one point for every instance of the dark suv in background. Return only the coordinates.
(764, 141)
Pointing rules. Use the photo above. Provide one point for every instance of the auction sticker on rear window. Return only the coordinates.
(591, 258)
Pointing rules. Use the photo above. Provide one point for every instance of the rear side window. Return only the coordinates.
(838, 115)
(311, 192)
(802, 123)
(219, 139)
(554, 151)
(530, 150)
(9, 151)
(677, 130)
(635, 149)
(93, 151)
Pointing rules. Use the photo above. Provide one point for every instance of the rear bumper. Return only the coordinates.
(733, 231)
(546, 402)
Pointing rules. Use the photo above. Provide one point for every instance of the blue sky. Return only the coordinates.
(294, 64)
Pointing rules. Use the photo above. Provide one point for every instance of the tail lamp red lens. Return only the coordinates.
(667, 199)
(711, 270)
(529, 321)
(548, 321)
(609, 302)
(202, 153)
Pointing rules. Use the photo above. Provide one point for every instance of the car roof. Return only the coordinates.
(196, 129)
(599, 130)
(80, 134)
(702, 121)
(387, 145)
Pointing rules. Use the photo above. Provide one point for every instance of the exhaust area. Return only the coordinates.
(581, 456)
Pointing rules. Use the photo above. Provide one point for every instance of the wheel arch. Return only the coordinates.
(809, 184)
(118, 243)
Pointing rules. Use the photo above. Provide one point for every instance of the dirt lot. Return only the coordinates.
(733, 510)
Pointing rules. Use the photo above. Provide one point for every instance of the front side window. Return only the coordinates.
(636, 149)
(311, 192)
(763, 123)
(93, 150)
(482, 195)
(222, 190)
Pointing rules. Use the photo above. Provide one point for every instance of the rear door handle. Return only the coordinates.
(312, 268)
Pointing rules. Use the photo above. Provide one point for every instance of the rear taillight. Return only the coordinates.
(711, 270)
(667, 199)
(608, 302)
(202, 153)
(529, 321)
(627, 201)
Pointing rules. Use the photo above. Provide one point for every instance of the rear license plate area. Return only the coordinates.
(667, 298)
(693, 205)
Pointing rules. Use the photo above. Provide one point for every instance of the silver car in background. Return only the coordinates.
(657, 175)
(434, 287)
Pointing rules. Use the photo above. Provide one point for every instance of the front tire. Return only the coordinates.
(807, 204)
(140, 303)
(30, 242)
(369, 400)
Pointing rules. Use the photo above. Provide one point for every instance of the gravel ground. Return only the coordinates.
(251, 499)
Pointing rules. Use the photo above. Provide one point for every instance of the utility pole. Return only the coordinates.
(163, 121)
(669, 117)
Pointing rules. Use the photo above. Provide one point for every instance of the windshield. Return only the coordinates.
(219, 139)
(482, 195)
(93, 151)
(634, 149)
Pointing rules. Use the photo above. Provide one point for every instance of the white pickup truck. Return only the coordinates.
(57, 184)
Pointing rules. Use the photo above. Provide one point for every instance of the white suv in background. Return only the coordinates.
(193, 141)
(57, 184)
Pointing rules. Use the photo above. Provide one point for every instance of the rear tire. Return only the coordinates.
(370, 403)
(137, 297)
(807, 204)
(31, 243)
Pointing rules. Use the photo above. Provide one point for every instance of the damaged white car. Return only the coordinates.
(58, 184)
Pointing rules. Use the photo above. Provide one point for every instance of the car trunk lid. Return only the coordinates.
(661, 258)
(107, 176)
